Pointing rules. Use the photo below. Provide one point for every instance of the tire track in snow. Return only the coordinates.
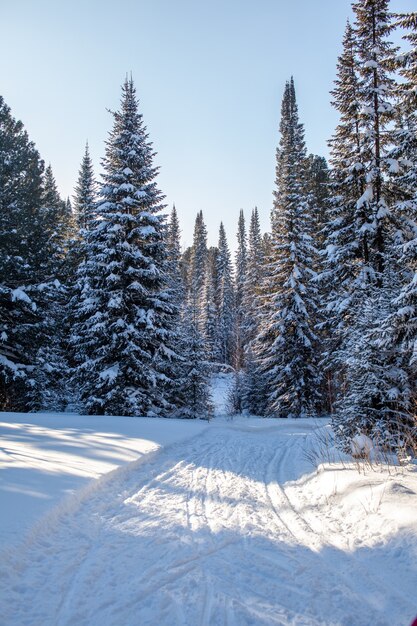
(204, 534)
(377, 588)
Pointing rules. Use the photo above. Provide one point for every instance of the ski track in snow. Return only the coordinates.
(208, 532)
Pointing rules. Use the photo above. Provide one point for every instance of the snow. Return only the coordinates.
(14, 367)
(220, 389)
(46, 457)
(145, 231)
(371, 64)
(367, 196)
(19, 294)
(110, 373)
(394, 166)
(361, 446)
(241, 522)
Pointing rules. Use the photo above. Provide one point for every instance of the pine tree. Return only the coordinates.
(253, 388)
(50, 379)
(397, 333)
(403, 321)
(253, 282)
(198, 264)
(375, 56)
(209, 317)
(317, 185)
(225, 302)
(240, 281)
(378, 393)
(173, 244)
(318, 179)
(364, 237)
(286, 346)
(23, 236)
(124, 339)
(57, 216)
(347, 242)
(85, 193)
(196, 402)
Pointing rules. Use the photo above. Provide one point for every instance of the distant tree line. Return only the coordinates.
(102, 311)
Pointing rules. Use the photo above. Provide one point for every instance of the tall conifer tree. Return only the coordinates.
(286, 350)
(23, 238)
(124, 340)
(364, 236)
(225, 340)
(198, 266)
(85, 192)
(241, 282)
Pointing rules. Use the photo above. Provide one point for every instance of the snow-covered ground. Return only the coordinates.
(232, 526)
(45, 457)
(220, 391)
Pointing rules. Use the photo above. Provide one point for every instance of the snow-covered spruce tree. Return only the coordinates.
(240, 300)
(58, 217)
(124, 341)
(85, 193)
(398, 331)
(194, 392)
(286, 348)
(50, 380)
(318, 178)
(190, 372)
(52, 373)
(346, 255)
(375, 56)
(364, 239)
(197, 269)
(225, 302)
(378, 393)
(253, 281)
(173, 244)
(209, 318)
(23, 239)
(317, 186)
(84, 198)
(404, 319)
(252, 382)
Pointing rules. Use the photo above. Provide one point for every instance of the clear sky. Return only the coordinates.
(209, 74)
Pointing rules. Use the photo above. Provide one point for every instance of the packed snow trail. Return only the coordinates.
(207, 532)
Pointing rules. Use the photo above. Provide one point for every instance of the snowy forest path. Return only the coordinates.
(204, 533)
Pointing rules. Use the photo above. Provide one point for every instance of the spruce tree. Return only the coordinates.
(51, 375)
(317, 185)
(240, 281)
(23, 238)
(397, 333)
(318, 179)
(225, 302)
(85, 192)
(124, 340)
(58, 217)
(209, 317)
(363, 242)
(253, 281)
(375, 57)
(194, 392)
(286, 345)
(253, 383)
(347, 241)
(173, 245)
(197, 270)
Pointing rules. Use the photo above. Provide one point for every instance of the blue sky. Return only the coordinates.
(210, 77)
